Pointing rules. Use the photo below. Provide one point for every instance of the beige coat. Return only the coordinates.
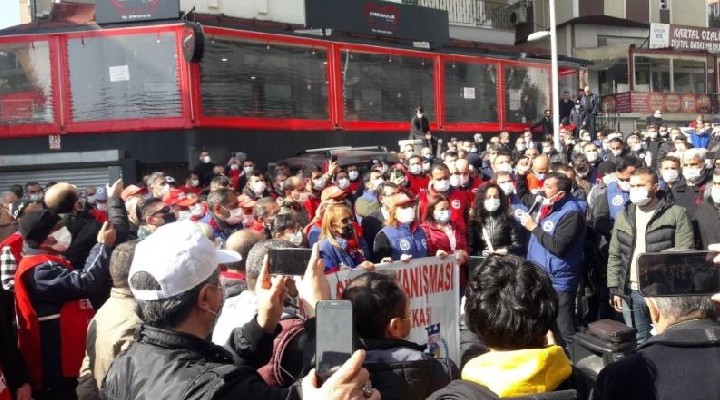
(109, 333)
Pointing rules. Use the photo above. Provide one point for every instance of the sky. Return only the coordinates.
(9, 13)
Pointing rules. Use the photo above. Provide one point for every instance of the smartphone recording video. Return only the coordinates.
(334, 343)
(290, 262)
(678, 273)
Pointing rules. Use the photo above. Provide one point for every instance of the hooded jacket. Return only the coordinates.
(528, 373)
(681, 363)
(401, 371)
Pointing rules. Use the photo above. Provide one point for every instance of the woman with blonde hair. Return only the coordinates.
(341, 246)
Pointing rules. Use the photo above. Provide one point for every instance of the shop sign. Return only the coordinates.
(123, 11)
(383, 18)
(682, 37)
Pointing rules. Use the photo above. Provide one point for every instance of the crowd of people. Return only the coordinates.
(162, 288)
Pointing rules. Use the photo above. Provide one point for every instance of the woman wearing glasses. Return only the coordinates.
(340, 245)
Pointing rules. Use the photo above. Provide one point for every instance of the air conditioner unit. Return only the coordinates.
(519, 16)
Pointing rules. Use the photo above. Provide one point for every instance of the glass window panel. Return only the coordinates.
(613, 76)
(381, 87)
(250, 79)
(470, 92)
(652, 74)
(526, 93)
(26, 94)
(689, 76)
(124, 77)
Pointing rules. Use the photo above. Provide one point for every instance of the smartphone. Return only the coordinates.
(333, 158)
(291, 262)
(334, 336)
(678, 273)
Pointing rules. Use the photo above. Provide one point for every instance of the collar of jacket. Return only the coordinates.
(693, 333)
(169, 339)
(121, 293)
(385, 344)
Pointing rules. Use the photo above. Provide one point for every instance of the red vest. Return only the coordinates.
(459, 207)
(15, 242)
(416, 183)
(4, 389)
(74, 317)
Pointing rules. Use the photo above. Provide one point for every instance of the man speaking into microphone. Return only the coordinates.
(557, 235)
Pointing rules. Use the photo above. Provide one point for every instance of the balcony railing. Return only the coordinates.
(491, 14)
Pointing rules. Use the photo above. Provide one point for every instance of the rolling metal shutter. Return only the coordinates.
(80, 177)
(82, 169)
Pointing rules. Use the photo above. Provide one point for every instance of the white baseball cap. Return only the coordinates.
(179, 257)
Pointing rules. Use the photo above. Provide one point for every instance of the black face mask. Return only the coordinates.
(347, 231)
(169, 217)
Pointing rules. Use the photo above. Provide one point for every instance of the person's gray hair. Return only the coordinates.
(254, 262)
(171, 312)
(679, 308)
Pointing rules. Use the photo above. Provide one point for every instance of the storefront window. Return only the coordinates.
(25, 86)
(652, 74)
(689, 76)
(124, 77)
(383, 87)
(613, 76)
(470, 92)
(250, 79)
(526, 92)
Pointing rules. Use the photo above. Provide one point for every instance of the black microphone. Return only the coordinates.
(536, 204)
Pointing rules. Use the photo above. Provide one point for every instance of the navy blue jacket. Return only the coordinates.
(394, 242)
(338, 257)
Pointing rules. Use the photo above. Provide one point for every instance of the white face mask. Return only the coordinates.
(376, 184)
(101, 206)
(426, 166)
(504, 167)
(442, 185)
(194, 183)
(197, 210)
(455, 181)
(624, 185)
(592, 156)
(639, 197)
(405, 215)
(442, 216)
(691, 173)
(546, 150)
(409, 154)
(716, 194)
(521, 147)
(353, 175)
(206, 159)
(670, 175)
(63, 238)
(295, 238)
(237, 216)
(36, 197)
(343, 183)
(636, 147)
(235, 167)
(492, 205)
(318, 184)
(416, 169)
(507, 187)
(248, 170)
(617, 152)
(258, 187)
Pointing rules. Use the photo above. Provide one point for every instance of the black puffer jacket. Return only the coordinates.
(401, 371)
(503, 234)
(164, 364)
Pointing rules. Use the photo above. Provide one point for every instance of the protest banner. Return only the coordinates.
(432, 285)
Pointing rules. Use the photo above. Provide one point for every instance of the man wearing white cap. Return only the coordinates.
(175, 280)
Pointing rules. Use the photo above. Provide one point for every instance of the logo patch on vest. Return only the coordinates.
(404, 245)
(455, 204)
(424, 243)
(519, 213)
(548, 226)
(618, 200)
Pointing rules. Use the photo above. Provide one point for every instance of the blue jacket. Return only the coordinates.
(339, 257)
(404, 241)
(616, 199)
(557, 244)
(700, 140)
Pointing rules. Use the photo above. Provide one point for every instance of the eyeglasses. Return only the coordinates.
(346, 220)
(163, 210)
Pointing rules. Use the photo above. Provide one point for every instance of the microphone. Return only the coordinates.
(534, 207)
